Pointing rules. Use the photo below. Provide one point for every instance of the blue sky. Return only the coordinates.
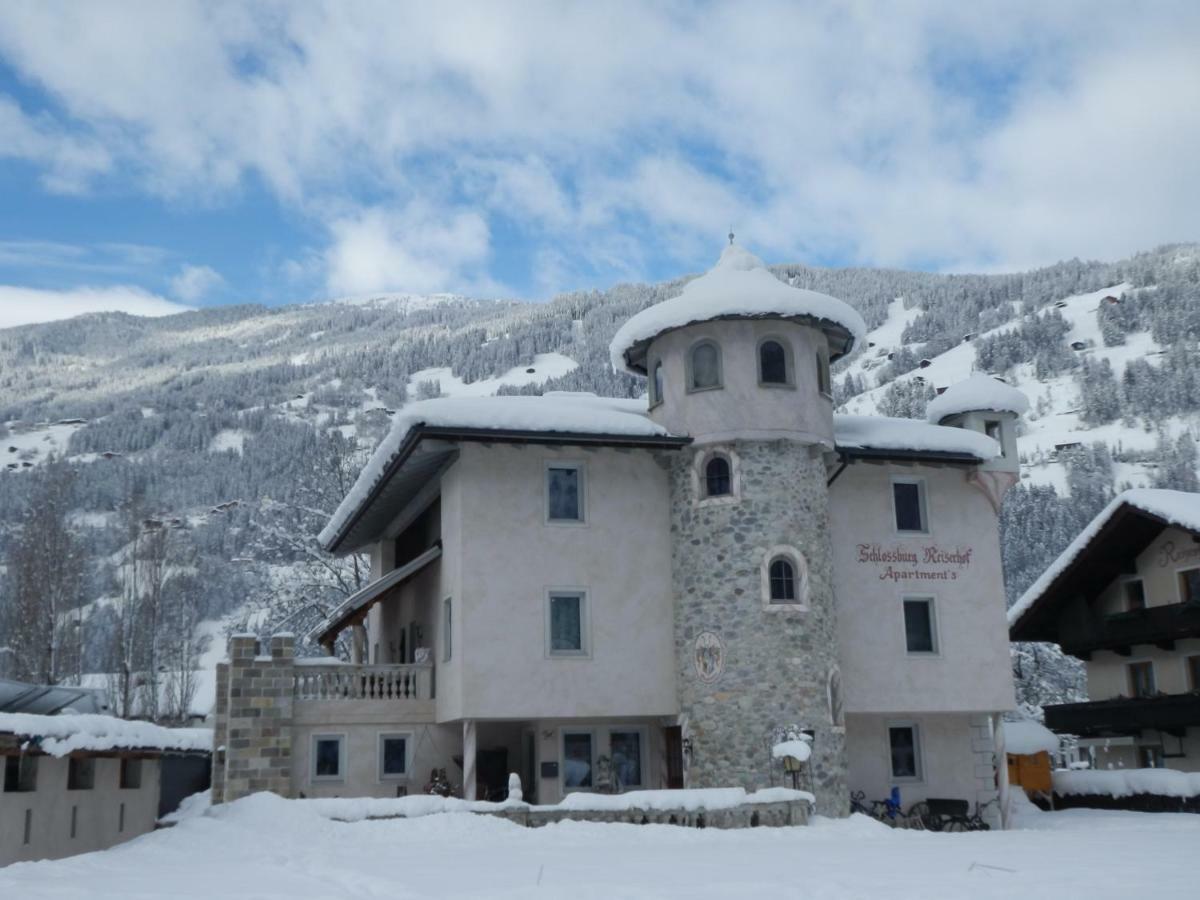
(161, 155)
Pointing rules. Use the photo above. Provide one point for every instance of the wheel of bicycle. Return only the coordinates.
(919, 814)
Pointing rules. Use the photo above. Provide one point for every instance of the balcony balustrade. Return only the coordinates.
(354, 682)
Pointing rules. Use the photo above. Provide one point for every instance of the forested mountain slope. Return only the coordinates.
(195, 456)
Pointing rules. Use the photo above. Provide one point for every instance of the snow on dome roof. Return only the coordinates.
(1180, 508)
(738, 286)
(1027, 737)
(63, 734)
(560, 412)
(909, 435)
(978, 393)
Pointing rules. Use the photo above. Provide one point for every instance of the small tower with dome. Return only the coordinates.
(739, 361)
(985, 404)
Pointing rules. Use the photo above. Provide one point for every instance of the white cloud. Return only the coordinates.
(194, 282)
(24, 306)
(415, 249)
(990, 133)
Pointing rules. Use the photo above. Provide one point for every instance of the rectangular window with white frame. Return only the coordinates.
(393, 756)
(578, 760)
(1141, 679)
(567, 623)
(1135, 594)
(909, 506)
(328, 757)
(566, 493)
(904, 748)
(626, 747)
(920, 626)
(1193, 672)
(1189, 586)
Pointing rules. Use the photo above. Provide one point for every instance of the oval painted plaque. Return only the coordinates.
(708, 655)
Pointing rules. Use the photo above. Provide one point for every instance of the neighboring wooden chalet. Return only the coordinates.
(1124, 597)
(78, 782)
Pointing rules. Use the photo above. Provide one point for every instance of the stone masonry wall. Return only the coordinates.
(744, 669)
(258, 742)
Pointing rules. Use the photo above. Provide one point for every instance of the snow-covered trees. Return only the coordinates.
(45, 564)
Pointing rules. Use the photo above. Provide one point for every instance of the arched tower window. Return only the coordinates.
(718, 479)
(704, 363)
(773, 365)
(824, 380)
(783, 581)
(656, 384)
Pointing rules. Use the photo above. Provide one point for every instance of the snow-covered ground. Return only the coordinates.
(273, 849)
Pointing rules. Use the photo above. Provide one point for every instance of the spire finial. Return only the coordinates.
(730, 235)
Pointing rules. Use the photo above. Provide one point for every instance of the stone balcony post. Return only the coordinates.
(258, 721)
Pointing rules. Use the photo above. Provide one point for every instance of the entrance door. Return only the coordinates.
(673, 741)
(529, 767)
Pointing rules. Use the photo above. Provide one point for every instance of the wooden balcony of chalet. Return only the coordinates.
(1170, 713)
(1159, 626)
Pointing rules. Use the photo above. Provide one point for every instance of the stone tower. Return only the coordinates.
(739, 361)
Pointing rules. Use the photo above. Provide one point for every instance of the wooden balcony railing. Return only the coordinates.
(1172, 713)
(383, 683)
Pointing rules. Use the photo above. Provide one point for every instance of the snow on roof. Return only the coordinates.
(1027, 737)
(64, 734)
(887, 433)
(1180, 508)
(739, 285)
(560, 412)
(979, 393)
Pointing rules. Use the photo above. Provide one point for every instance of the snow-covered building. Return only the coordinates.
(78, 782)
(1125, 598)
(649, 594)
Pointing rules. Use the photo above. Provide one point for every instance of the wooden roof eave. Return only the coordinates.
(1089, 571)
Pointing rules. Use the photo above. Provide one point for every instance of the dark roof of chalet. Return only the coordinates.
(1101, 552)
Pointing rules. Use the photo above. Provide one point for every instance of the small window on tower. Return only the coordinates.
(824, 380)
(993, 429)
(656, 385)
(718, 480)
(705, 364)
(783, 581)
(773, 363)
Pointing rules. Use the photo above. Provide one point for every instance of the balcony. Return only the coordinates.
(1158, 625)
(338, 682)
(1171, 713)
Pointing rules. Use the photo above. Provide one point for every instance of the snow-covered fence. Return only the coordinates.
(1149, 790)
(348, 682)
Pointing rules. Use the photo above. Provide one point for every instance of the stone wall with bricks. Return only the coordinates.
(254, 719)
(747, 669)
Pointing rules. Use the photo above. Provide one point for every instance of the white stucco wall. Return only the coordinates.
(971, 670)
(97, 816)
(741, 407)
(512, 557)
(955, 761)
